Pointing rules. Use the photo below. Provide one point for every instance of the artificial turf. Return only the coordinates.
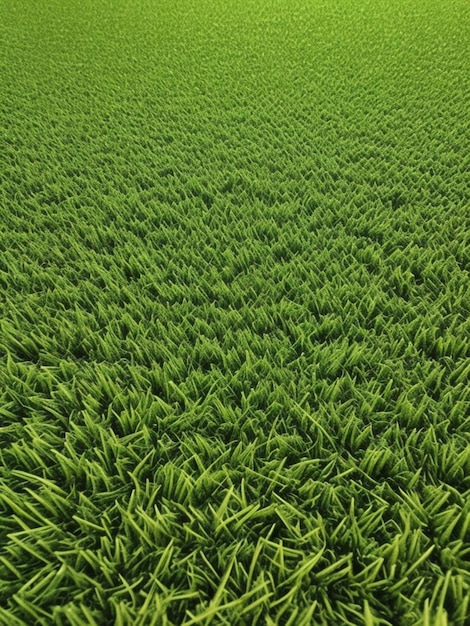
(235, 312)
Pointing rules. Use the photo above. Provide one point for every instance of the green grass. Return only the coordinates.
(235, 312)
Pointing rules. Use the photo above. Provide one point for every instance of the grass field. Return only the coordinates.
(235, 312)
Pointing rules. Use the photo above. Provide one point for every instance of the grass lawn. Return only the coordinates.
(234, 312)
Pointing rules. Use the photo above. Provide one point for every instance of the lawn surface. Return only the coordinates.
(234, 312)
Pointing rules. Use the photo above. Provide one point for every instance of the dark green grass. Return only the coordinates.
(235, 312)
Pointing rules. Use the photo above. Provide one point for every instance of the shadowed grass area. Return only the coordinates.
(234, 313)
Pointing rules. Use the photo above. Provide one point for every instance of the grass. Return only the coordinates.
(235, 313)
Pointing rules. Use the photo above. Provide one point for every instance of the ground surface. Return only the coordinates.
(235, 336)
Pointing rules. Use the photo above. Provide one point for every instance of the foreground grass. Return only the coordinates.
(234, 332)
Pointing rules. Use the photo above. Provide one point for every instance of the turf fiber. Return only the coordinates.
(235, 312)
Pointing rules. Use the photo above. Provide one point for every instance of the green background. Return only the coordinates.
(234, 305)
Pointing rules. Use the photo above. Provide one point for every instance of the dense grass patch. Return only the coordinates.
(235, 312)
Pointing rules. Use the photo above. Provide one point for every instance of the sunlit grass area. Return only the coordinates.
(234, 312)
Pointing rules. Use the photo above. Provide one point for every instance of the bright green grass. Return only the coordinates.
(235, 312)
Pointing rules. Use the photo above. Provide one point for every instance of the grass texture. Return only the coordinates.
(235, 312)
